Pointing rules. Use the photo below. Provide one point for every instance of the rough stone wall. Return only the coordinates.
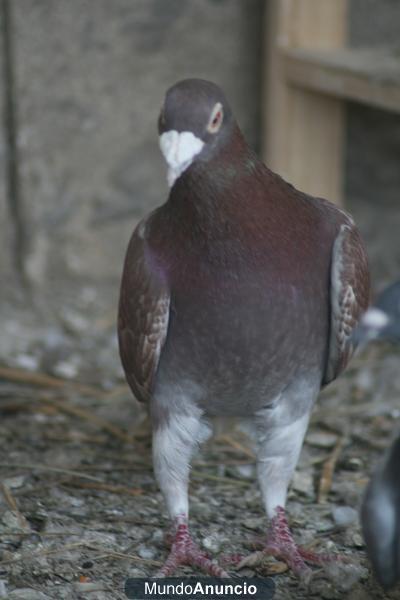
(5, 233)
(90, 78)
(91, 75)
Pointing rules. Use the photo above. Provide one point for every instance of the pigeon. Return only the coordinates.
(238, 299)
(380, 512)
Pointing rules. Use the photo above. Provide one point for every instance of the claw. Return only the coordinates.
(184, 551)
(281, 545)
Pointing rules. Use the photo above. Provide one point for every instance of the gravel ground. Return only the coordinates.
(79, 509)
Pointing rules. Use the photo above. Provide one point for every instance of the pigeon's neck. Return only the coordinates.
(212, 188)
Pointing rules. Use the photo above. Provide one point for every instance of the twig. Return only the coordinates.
(237, 445)
(78, 411)
(48, 468)
(10, 500)
(328, 469)
(201, 475)
(109, 554)
(31, 556)
(47, 381)
(106, 487)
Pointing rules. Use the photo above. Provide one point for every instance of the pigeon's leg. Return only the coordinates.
(279, 448)
(174, 442)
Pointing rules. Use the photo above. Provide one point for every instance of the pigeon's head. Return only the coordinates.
(195, 120)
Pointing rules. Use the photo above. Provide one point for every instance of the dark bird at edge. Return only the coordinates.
(380, 512)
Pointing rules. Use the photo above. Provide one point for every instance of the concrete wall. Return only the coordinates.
(6, 269)
(91, 75)
(90, 78)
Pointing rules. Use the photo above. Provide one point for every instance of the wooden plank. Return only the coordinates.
(370, 76)
(303, 130)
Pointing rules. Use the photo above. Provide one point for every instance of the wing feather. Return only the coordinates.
(350, 291)
(143, 315)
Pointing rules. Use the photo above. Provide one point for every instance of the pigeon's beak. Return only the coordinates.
(179, 150)
(371, 326)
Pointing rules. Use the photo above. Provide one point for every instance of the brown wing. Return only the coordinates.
(143, 316)
(350, 291)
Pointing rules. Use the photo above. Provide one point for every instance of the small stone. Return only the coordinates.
(12, 520)
(14, 482)
(146, 553)
(303, 483)
(324, 525)
(157, 536)
(88, 586)
(345, 575)
(212, 543)
(135, 572)
(364, 380)
(73, 322)
(354, 464)
(274, 567)
(344, 516)
(3, 588)
(245, 471)
(358, 541)
(321, 439)
(27, 361)
(201, 510)
(65, 369)
(254, 523)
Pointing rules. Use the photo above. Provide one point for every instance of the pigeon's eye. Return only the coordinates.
(216, 118)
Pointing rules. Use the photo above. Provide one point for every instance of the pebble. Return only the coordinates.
(364, 379)
(245, 471)
(89, 586)
(14, 482)
(358, 540)
(157, 536)
(321, 439)
(344, 516)
(212, 543)
(3, 588)
(27, 361)
(303, 483)
(146, 552)
(135, 572)
(345, 576)
(201, 509)
(65, 369)
(12, 520)
(254, 523)
(354, 464)
(74, 322)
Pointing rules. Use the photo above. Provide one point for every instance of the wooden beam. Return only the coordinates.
(303, 130)
(370, 76)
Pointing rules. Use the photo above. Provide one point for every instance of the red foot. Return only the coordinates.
(184, 551)
(280, 543)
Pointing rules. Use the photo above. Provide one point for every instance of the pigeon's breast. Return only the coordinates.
(242, 330)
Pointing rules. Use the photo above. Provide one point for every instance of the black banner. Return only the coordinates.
(193, 588)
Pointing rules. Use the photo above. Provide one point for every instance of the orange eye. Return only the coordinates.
(216, 118)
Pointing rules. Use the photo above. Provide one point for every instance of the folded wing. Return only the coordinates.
(349, 296)
(143, 315)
